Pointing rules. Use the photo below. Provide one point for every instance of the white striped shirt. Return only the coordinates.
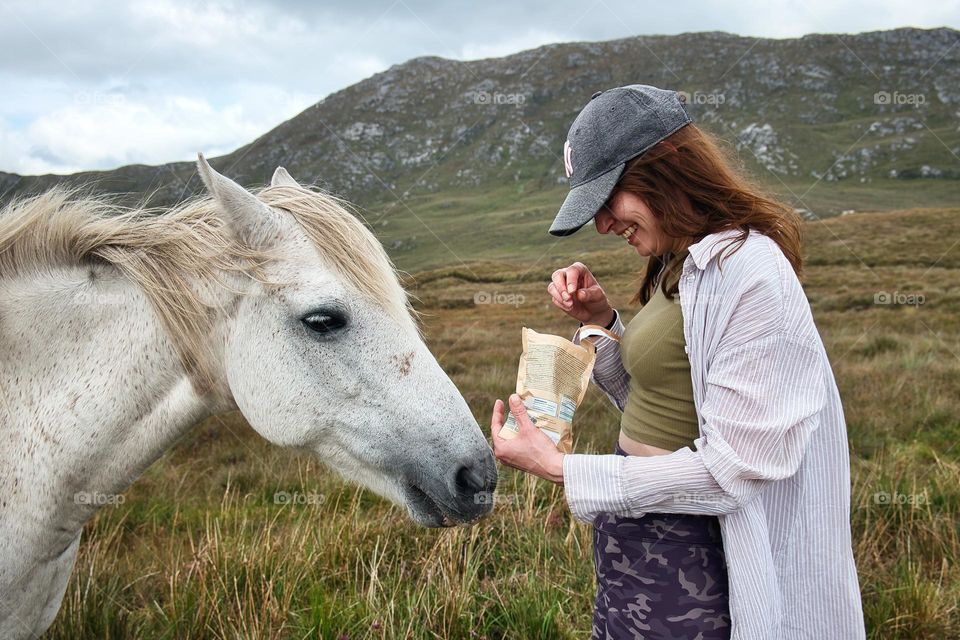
(772, 459)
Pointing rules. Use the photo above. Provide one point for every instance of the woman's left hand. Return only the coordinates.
(530, 450)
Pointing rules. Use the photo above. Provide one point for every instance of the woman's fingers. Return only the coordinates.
(496, 420)
(574, 274)
(519, 412)
(566, 282)
(552, 290)
(591, 294)
(559, 280)
(558, 300)
(496, 424)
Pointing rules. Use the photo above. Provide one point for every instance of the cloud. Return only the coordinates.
(109, 129)
(507, 44)
(97, 84)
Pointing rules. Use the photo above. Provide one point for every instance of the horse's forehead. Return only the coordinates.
(308, 286)
(322, 252)
(297, 257)
(303, 278)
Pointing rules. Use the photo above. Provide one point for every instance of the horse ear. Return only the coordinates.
(254, 223)
(281, 178)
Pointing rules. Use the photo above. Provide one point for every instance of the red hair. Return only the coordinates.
(694, 188)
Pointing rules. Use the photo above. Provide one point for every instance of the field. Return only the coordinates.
(202, 547)
(459, 227)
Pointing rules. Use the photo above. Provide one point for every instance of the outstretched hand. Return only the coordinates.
(530, 450)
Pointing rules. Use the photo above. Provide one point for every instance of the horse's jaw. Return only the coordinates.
(429, 501)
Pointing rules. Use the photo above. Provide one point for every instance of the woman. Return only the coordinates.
(724, 510)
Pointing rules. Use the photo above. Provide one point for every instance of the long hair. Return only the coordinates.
(695, 188)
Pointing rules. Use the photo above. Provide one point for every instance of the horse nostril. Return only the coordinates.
(469, 480)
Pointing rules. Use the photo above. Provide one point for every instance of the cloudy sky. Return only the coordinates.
(96, 85)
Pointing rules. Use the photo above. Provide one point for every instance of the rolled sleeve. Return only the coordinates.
(592, 485)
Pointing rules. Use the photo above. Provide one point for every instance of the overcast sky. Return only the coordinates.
(102, 84)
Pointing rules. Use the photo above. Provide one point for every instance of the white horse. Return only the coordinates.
(121, 330)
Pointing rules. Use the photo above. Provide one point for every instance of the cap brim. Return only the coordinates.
(584, 201)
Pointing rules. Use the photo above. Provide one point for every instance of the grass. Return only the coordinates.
(200, 549)
(433, 230)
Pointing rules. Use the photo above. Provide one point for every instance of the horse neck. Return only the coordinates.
(91, 393)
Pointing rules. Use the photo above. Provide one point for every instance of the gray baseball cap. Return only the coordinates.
(616, 126)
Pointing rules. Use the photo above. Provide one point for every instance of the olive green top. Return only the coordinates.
(659, 410)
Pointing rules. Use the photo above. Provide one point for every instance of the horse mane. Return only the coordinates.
(164, 252)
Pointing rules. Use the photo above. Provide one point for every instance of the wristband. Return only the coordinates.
(613, 321)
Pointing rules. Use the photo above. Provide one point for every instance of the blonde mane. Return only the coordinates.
(166, 252)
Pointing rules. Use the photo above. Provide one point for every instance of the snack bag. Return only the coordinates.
(552, 379)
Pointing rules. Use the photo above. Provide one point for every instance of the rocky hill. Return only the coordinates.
(838, 107)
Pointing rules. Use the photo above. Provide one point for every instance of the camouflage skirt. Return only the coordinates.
(660, 576)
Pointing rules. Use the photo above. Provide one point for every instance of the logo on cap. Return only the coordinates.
(568, 158)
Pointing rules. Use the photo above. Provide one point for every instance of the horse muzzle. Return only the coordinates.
(460, 495)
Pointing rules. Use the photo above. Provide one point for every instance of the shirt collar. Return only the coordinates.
(709, 246)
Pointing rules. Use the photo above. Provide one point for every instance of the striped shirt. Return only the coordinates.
(772, 459)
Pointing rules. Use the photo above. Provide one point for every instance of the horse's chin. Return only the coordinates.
(426, 511)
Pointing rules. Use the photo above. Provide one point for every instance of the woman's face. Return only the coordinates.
(628, 216)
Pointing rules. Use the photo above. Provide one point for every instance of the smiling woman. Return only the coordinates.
(724, 509)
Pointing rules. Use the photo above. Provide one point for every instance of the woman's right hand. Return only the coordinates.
(578, 294)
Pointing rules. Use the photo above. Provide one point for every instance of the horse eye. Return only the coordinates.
(324, 322)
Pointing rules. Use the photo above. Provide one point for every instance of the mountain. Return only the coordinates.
(870, 120)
